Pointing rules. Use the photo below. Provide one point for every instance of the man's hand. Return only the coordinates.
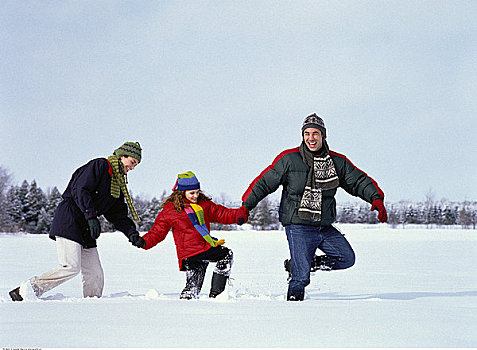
(379, 206)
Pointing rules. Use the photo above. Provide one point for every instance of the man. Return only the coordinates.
(97, 188)
(310, 175)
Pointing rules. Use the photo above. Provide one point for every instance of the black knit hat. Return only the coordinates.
(313, 121)
(130, 149)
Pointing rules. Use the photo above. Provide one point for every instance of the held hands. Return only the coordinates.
(242, 215)
(379, 206)
(94, 227)
(137, 240)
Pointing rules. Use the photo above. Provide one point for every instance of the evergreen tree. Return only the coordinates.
(436, 215)
(155, 205)
(428, 204)
(274, 215)
(473, 216)
(44, 222)
(15, 206)
(141, 207)
(35, 201)
(449, 216)
(253, 219)
(13, 209)
(346, 214)
(402, 214)
(22, 197)
(393, 215)
(464, 219)
(260, 217)
(5, 180)
(365, 215)
(153, 208)
(163, 197)
(53, 199)
(225, 201)
(411, 215)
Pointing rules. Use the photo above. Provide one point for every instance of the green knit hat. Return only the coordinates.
(130, 149)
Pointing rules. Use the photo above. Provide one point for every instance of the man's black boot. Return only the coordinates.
(319, 262)
(296, 295)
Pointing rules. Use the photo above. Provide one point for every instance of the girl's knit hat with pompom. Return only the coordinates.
(186, 182)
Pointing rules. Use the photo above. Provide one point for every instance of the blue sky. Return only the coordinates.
(222, 87)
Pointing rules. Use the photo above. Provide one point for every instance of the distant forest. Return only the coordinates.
(27, 208)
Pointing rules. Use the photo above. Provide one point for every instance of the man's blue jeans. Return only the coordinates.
(303, 240)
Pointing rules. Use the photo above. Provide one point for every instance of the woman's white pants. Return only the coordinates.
(72, 259)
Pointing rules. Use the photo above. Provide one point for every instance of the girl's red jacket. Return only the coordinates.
(188, 241)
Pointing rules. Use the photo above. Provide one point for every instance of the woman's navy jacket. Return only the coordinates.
(88, 194)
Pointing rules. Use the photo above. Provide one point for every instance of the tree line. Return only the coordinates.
(27, 208)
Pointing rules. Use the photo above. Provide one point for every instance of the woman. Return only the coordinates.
(96, 188)
(188, 212)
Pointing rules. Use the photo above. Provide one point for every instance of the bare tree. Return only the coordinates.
(428, 204)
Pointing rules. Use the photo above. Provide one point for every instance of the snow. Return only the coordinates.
(409, 288)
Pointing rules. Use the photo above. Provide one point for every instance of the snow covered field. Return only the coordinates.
(409, 288)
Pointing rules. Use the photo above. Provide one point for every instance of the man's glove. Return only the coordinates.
(94, 227)
(379, 206)
(137, 240)
(242, 215)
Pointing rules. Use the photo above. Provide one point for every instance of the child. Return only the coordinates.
(189, 213)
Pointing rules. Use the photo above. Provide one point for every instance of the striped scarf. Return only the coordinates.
(321, 176)
(118, 184)
(196, 216)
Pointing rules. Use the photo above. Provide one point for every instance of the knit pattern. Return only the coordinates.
(196, 216)
(186, 181)
(322, 176)
(313, 121)
(130, 149)
(118, 184)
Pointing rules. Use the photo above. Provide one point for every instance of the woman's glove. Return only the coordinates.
(137, 240)
(379, 206)
(242, 215)
(94, 227)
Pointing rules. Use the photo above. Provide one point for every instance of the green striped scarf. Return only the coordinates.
(118, 184)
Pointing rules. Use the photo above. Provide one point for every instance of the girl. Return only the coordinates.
(189, 213)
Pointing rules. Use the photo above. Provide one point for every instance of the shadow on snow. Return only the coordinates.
(390, 296)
